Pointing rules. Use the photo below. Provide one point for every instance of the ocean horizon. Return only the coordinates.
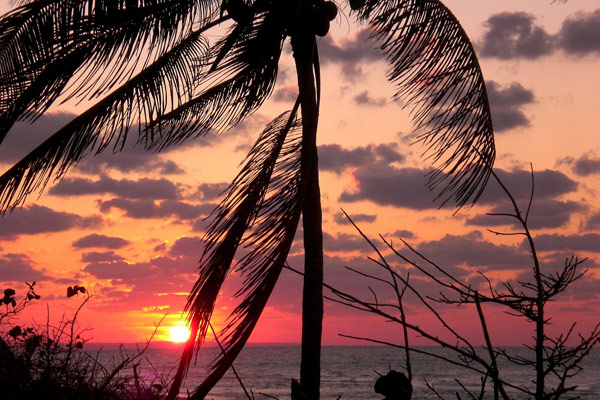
(347, 371)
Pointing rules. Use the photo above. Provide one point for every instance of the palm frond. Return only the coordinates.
(271, 239)
(231, 219)
(436, 71)
(236, 86)
(43, 44)
(164, 84)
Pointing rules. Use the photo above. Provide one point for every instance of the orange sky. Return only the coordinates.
(128, 226)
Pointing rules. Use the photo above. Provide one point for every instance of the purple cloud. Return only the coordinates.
(506, 103)
(19, 268)
(144, 208)
(144, 188)
(34, 219)
(341, 219)
(100, 241)
(335, 158)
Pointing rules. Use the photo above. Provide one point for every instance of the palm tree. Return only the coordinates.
(153, 74)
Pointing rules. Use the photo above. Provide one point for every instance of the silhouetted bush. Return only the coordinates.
(49, 362)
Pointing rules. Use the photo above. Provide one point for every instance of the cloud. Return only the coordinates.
(121, 270)
(341, 219)
(211, 191)
(592, 222)
(103, 256)
(344, 242)
(351, 53)
(549, 184)
(506, 103)
(23, 137)
(145, 208)
(545, 213)
(144, 188)
(407, 187)
(365, 99)
(390, 186)
(35, 219)
(335, 158)
(473, 251)
(132, 158)
(579, 34)
(401, 234)
(101, 241)
(19, 268)
(586, 165)
(514, 35)
(187, 246)
(574, 242)
(287, 94)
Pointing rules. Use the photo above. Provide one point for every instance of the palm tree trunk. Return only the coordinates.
(312, 297)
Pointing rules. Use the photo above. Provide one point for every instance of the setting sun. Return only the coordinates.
(179, 333)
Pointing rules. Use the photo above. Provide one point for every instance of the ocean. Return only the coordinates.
(348, 372)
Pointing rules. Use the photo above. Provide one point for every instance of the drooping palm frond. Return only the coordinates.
(271, 239)
(163, 85)
(436, 71)
(245, 67)
(45, 43)
(245, 202)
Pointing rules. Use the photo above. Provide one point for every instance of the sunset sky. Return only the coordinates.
(128, 226)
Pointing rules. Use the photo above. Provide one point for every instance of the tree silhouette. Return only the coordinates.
(153, 74)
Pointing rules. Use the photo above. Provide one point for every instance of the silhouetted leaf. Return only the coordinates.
(15, 331)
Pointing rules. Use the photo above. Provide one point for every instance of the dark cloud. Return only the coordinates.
(144, 208)
(34, 219)
(187, 247)
(344, 242)
(210, 191)
(514, 35)
(389, 186)
(506, 103)
(103, 256)
(580, 34)
(144, 188)
(400, 233)
(335, 158)
(130, 159)
(100, 241)
(200, 225)
(351, 54)
(121, 270)
(549, 184)
(592, 222)
(586, 165)
(406, 187)
(19, 268)
(545, 213)
(365, 99)
(288, 94)
(474, 251)
(341, 219)
(24, 136)
(572, 243)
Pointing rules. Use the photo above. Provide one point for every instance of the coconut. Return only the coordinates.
(329, 9)
(320, 25)
(357, 4)
(238, 10)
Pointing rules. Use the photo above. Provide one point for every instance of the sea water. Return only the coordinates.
(349, 372)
